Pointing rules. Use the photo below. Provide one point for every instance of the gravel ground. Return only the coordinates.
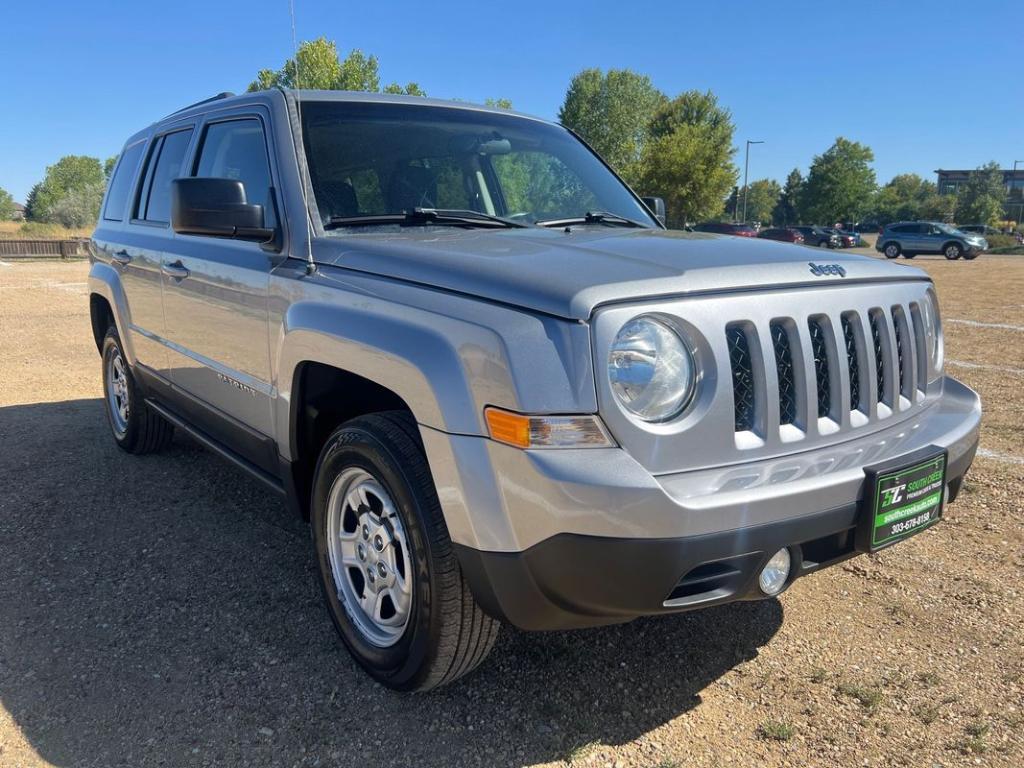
(163, 610)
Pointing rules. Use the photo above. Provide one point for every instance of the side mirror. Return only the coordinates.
(216, 208)
(656, 206)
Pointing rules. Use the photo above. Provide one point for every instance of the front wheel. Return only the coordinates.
(952, 251)
(390, 577)
(824, 244)
(971, 256)
(135, 426)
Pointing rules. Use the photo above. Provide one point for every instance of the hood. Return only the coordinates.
(569, 274)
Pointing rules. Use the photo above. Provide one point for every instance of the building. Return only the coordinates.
(949, 183)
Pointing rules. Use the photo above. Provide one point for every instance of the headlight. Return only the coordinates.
(651, 370)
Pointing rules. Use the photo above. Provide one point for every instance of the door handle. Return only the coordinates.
(177, 270)
(121, 257)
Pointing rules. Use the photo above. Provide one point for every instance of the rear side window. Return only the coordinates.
(121, 183)
(165, 165)
(236, 149)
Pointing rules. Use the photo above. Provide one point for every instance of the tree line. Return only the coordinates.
(680, 148)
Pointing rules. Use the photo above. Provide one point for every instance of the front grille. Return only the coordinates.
(868, 355)
(742, 376)
(821, 372)
(784, 370)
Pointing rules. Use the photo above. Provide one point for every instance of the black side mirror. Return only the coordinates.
(216, 208)
(656, 206)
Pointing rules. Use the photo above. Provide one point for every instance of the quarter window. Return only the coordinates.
(236, 149)
(121, 183)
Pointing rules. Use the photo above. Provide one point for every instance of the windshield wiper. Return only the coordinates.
(593, 217)
(425, 217)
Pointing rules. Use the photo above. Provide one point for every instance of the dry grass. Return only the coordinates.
(34, 230)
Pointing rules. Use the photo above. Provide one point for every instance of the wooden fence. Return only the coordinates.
(45, 249)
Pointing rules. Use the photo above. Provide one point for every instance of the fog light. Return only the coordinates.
(773, 577)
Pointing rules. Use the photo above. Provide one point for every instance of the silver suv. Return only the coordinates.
(499, 390)
(910, 238)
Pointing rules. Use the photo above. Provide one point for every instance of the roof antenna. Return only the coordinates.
(310, 264)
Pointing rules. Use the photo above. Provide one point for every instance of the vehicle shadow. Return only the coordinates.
(163, 610)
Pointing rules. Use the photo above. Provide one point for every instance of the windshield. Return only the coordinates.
(948, 229)
(379, 159)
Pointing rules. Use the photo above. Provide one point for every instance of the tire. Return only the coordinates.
(971, 256)
(892, 250)
(908, 255)
(135, 426)
(423, 629)
(824, 244)
(952, 251)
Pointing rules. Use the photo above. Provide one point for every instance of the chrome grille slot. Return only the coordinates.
(904, 352)
(787, 384)
(880, 342)
(822, 374)
(742, 366)
(851, 325)
(920, 347)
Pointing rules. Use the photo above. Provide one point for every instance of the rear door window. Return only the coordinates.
(166, 162)
(121, 182)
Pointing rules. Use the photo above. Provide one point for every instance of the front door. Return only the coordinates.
(215, 298)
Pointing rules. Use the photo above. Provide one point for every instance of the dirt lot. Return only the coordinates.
(163, 610)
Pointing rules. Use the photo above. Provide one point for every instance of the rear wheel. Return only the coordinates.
(135, 426)
(891, 250)
(390, 577)
(952, 251)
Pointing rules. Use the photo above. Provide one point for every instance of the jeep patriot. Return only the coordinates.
(497, 387)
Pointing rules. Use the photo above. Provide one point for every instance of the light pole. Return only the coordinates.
(746, 167)
(1013, 178)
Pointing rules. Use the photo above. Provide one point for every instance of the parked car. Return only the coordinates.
(846, 239)
(506, 402)
(978, 229)
(910, 238)
(819, 237)
(784, 234)
(726, 228)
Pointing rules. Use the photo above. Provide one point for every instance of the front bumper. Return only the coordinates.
(563, 539)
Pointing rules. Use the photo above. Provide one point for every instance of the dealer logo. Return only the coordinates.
(820, 270)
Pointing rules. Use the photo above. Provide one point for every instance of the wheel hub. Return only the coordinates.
(369, 557)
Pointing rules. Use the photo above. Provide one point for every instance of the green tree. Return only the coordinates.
(318, 66)
(612, 112)
(688, 157)
(109, 165)
(79, 207)
(31, 203)
(72, 173)
(762, 197)
(981, 199)
(498, 103)
(901, 198)
(6, 205)
(840, 184)
(787, 209)
(936, 207)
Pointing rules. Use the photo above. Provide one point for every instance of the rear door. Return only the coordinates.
(215, 298)
(142, 245)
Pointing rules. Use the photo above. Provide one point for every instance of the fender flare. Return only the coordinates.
(105, 281)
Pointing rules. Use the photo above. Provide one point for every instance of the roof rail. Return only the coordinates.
(218, 97)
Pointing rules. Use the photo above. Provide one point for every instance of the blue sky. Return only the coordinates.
(926, 85)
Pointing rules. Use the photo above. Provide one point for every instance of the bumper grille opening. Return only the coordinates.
(822, 374)
(852, 359)
(710, 580)
(784, 368)
(742, 376)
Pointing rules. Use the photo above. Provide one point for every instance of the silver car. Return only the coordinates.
(910, 238)
(496, 386)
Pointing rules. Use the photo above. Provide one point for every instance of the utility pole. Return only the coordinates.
(746, 167)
